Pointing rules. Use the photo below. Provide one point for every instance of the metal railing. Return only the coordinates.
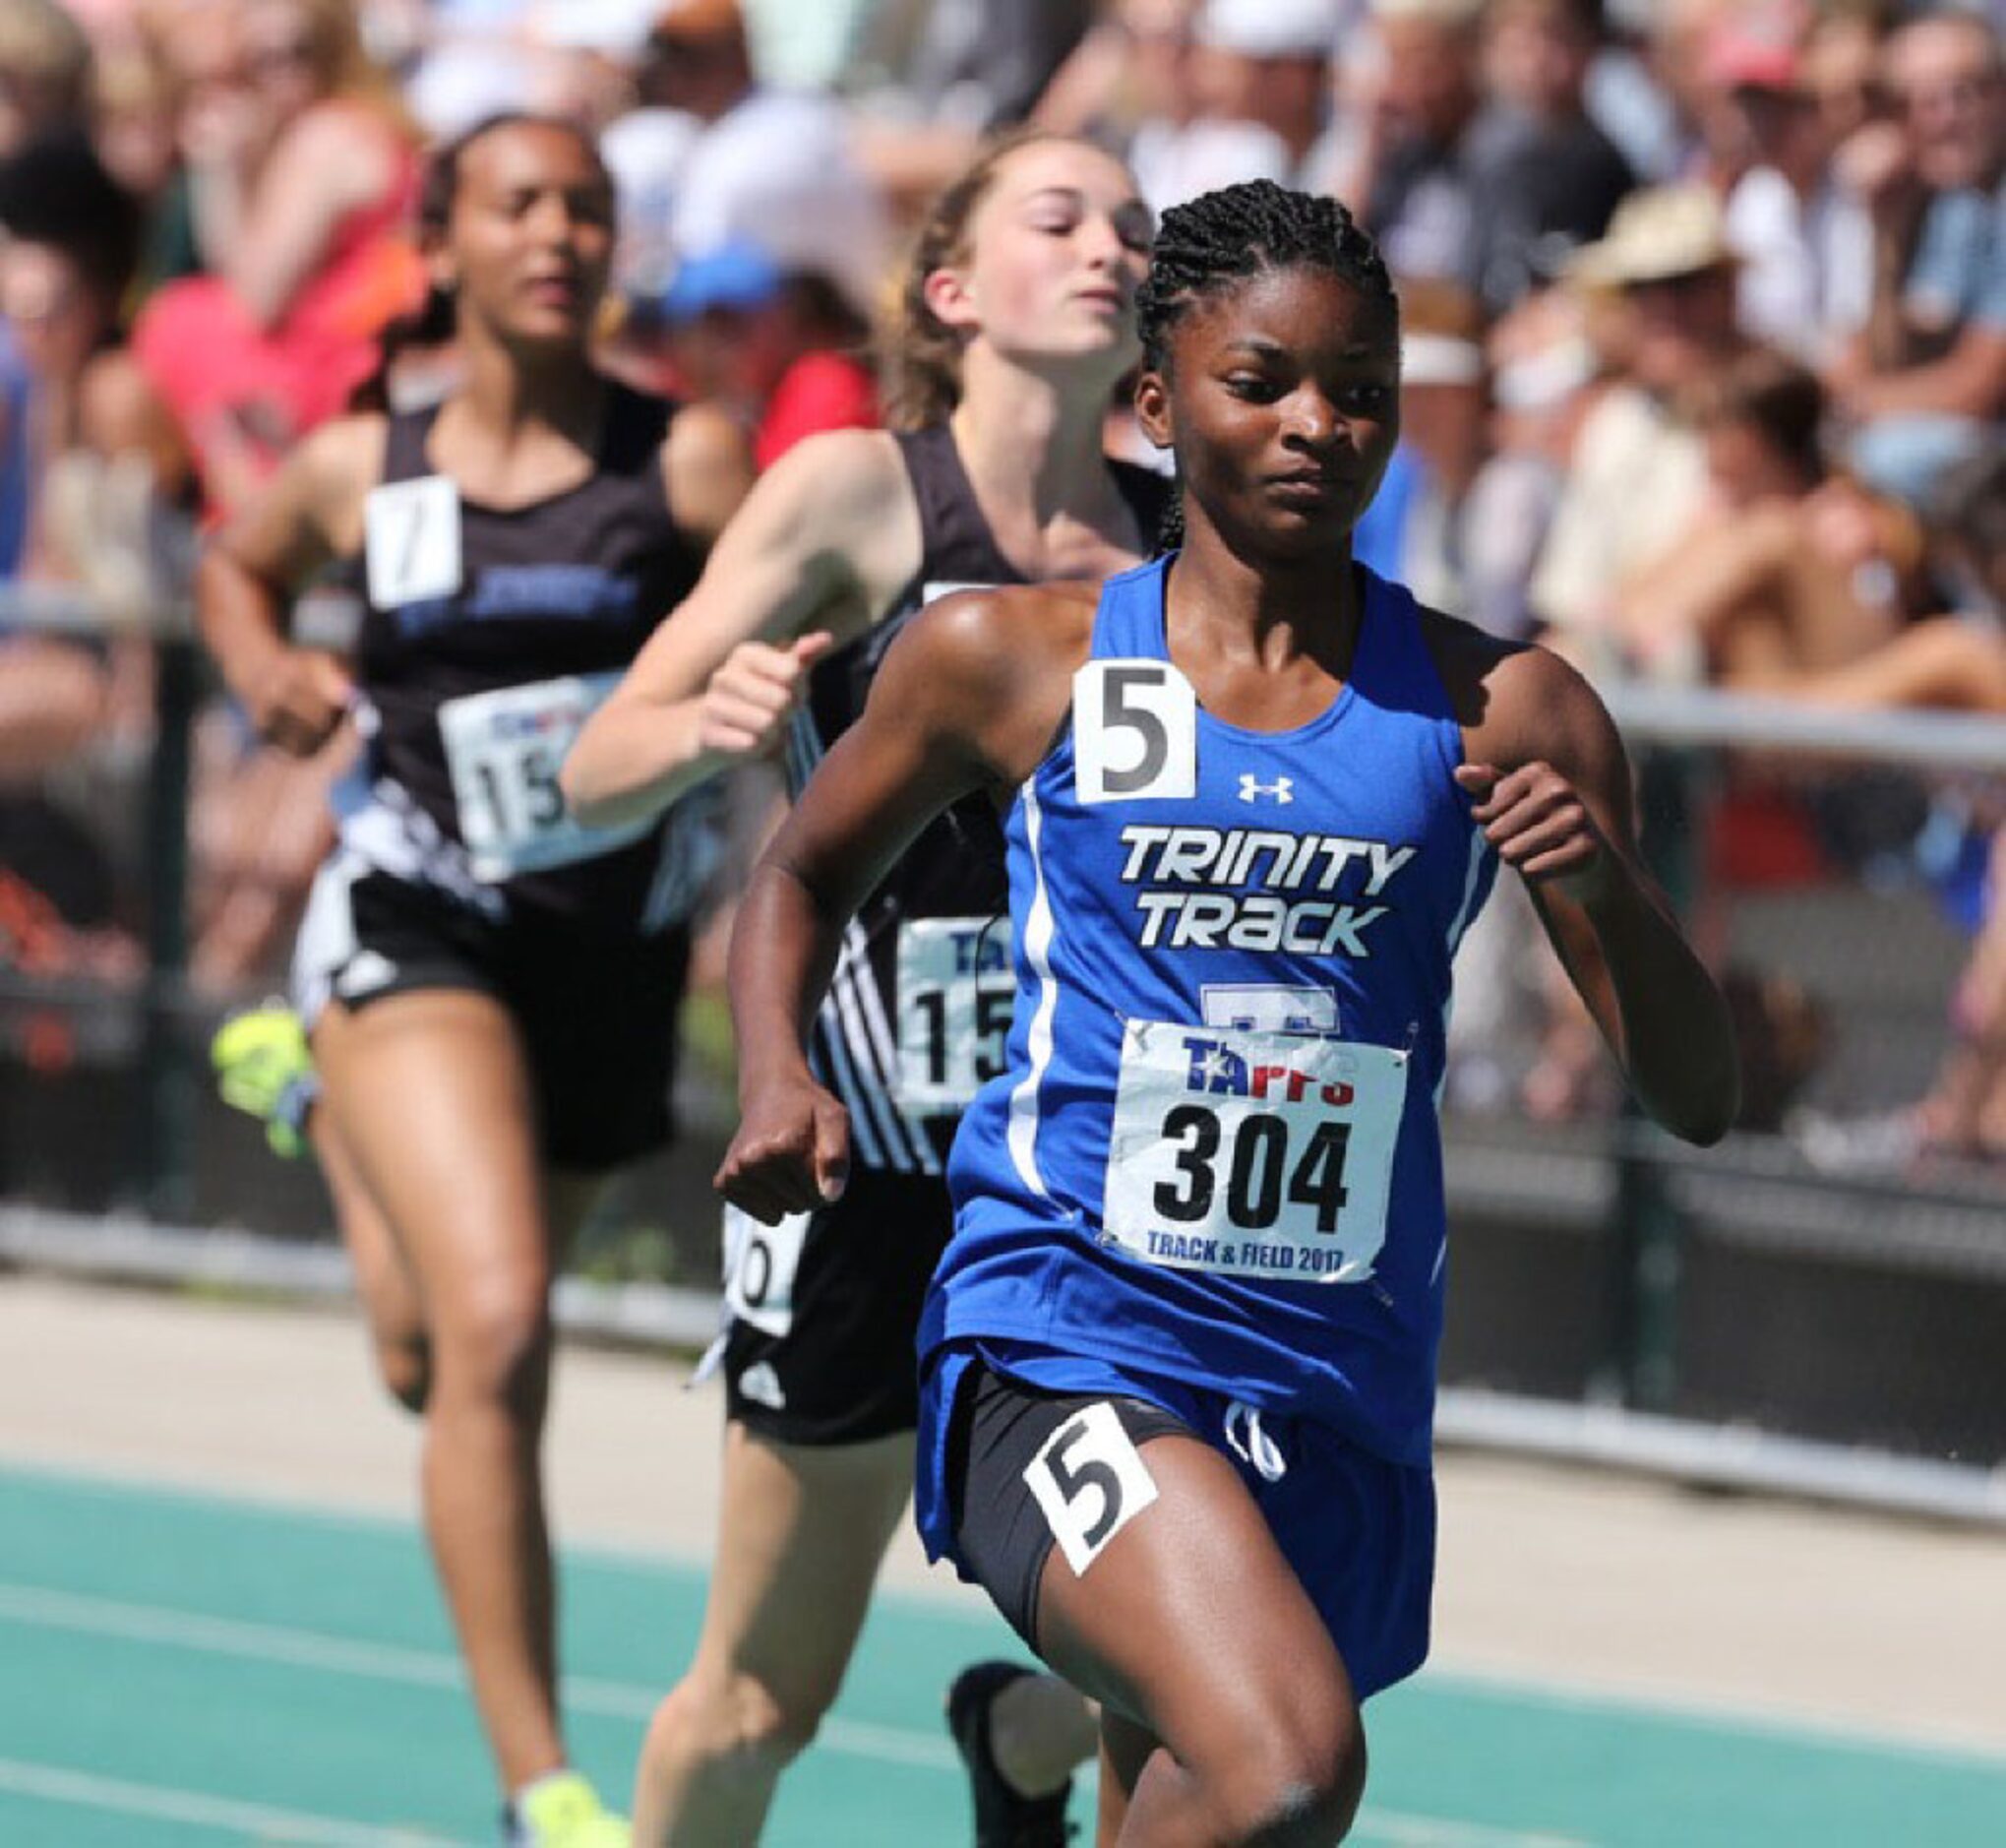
(1677, 734)
(167, 1074)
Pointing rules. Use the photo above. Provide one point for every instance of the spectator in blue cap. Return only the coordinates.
(782, 346)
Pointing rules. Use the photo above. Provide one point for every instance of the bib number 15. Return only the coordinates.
(503, 752)
(955, 995)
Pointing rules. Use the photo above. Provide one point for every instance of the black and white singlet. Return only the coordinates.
(919, 1001)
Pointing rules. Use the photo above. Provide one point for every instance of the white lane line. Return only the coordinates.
(1784, 1721)
(1427, 1831)
(39, 1608)
(223, 1635)
(409, 1668)
(88, 1790)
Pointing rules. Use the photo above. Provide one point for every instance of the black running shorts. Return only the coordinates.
(845, 1371)
(999, 1427)
(597, 1009)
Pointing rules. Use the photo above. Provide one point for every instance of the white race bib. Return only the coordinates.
(411, 533)
(1134, 732)
(1253, 1154)
(759, 1266)
(956, 994)
(503, 752)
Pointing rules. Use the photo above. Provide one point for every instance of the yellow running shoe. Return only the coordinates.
(563, 1811)
(265, 1067)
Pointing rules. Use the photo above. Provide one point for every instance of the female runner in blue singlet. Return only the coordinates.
(1177, 1361)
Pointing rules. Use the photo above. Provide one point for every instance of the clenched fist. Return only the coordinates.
(297, 699)
(791, 1152)
(749, 700)
(1539, 823)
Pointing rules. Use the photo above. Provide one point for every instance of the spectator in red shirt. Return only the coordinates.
(304, 171)
(785, 347)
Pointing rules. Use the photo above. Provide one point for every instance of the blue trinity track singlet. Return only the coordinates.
(1214, 1153)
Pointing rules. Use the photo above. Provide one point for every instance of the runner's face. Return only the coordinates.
(531, 234)
(1282, 401)
(1057, 250)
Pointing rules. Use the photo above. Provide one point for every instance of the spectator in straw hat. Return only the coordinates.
(1661, 288)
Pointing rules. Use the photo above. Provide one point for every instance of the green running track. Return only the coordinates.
(177, 1670)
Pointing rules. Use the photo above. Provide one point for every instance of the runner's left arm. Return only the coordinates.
(1550, 787)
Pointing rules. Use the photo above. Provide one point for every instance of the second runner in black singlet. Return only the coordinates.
(823, 1306)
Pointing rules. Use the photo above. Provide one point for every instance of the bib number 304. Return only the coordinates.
(1253, 1154)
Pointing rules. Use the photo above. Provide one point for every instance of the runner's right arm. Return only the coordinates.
(308, 514)
(969, 698)
(821, 545)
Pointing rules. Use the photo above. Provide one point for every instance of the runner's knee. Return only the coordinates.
(736, 1722)
(1297, 1786)
(496, 1345)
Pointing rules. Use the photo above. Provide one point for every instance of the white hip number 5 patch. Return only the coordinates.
(1090, 1481)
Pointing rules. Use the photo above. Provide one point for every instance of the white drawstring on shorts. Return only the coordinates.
(1259, 1452)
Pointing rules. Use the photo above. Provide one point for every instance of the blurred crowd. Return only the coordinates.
(1705, 368)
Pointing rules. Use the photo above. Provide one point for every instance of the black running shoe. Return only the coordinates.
(1003, 1819)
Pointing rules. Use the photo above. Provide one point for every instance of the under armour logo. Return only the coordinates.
(1283, 788)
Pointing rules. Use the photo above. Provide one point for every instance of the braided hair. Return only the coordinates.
(1220, 239)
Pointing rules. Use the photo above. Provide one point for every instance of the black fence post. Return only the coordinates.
(167, 1074)
(1647, 1232)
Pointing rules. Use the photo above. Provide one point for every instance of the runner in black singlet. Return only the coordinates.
(1018, 322)
(490, 988)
